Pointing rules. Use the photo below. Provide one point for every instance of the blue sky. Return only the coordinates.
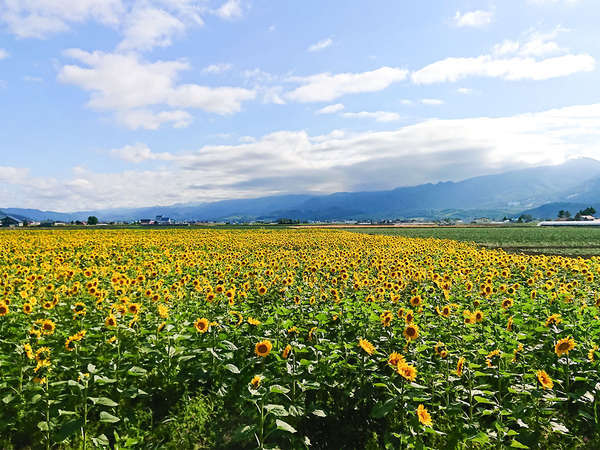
(111, 103)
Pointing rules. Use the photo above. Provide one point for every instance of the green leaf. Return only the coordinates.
(108, 418)
(62, 412)
(279, 389)
(232, 368)
(101, 440)
(106, 402)
(559, 427)
(8, 398)
(43, 426)
(480, 438)
(517, 444)
(382, 409)
(68, 429)
(137, 371)
(479, 399)
(276, 410)
(319, 413)
(284, 426)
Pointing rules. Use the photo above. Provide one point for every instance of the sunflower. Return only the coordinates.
(395, 358)
(48, 327)
(111, 321)
(459, 366)
(201, 325)
(564, 346)
(263, 348)
(411, 332)
(28, 351)
(42, 354)
(490, 356)
(366, 346)
(262, 290)
(79, 309)
(544, 379)
(554, 319)
(444, 312)
(163, 311)
(253, 321)
(416, 301)
(311, 333)
(27, 308)
(161, 326)
(286, 351)
(591, 353)
(255, 382)
(386, 318)
(408, 371)
(239, 317)
(507, 303)
(424, 416)
(478, 316)
(509, 324)
(3, 309)
(134, 308)
(409, 316)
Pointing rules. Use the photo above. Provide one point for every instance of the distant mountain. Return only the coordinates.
(575, 182)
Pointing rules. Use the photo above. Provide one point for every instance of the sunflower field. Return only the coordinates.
(292, 339)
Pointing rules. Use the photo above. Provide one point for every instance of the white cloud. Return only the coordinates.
(321, 45)
(293, 161)
(535, 44)
(135, 119)
(128, 85)
(146, 28)
(39, 18)
(514, 68)
(477, 18)
(331, 109)
(217, 68)
(432, 101)
(3, 53)
(139, 152)
(464, 91)
(325, 87)
(231, 9)
(407, 102)
(379, 116)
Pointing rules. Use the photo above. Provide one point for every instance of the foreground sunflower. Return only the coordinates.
(407, 371)
(411, 332)
(255, 382)
(564, 346)
(544, 379)
(459, 366)
(366, 346)
(424, 416)
(263, 348)
(201, 325)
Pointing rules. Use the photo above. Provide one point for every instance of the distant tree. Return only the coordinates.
(589, 211)
(525, 218)
(92, 220)
(561, 214)
(578, 216)
(567, 214)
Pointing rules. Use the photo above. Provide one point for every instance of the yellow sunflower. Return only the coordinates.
(263, 348)
(411, 332)
(201, 325)
(564, 346)
(366, 346)
(544, 379)
(424, 416)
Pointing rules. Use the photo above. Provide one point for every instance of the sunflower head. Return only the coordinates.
(564, 346)
(424, 416)
(263, 348)
(544, 379)
(411, 332)
(366, 346)
(201, 325)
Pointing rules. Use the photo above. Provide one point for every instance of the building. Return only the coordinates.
(10, 221)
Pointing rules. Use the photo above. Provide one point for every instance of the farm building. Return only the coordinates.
(10, 221)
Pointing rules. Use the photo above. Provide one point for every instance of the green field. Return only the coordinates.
(564, 241)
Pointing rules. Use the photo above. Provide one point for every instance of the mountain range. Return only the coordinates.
(540, 191)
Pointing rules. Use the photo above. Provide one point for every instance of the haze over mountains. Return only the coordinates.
(540, 191)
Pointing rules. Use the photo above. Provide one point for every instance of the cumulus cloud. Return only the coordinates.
(511, 60)
(477, 18)
(231, 9)
(147, 28)
(321, 45)
(129, 86)
(217, 68)
(294, 161)
(379, 116)
(326, 87)
(330, 109)
(139, 152)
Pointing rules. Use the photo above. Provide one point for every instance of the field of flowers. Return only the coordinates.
(292, 339)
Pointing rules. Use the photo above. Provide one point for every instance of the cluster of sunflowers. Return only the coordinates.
(300, 334)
